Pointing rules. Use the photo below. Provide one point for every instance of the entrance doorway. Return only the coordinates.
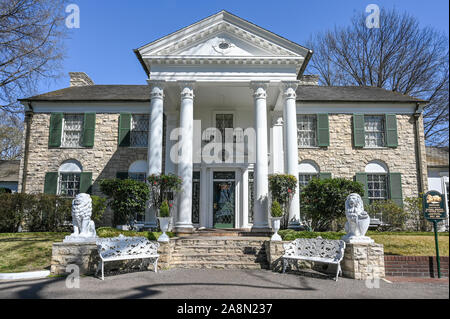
(223, 199)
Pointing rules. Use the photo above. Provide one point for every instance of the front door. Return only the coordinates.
(223, 201)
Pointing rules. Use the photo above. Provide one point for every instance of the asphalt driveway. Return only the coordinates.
(220, 284)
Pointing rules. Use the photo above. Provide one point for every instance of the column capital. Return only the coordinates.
(277, 119)
(259, 89)
(187, 89)
(156, 88)
(288, 89)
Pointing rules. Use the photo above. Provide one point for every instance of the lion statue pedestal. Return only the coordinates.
(83, 226)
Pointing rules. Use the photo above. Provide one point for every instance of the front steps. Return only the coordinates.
(231, 252)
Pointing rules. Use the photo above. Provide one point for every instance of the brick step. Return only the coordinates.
(219, 257)
(218, 249)
(218, 265)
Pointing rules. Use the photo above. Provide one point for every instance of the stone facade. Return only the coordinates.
(341, 159)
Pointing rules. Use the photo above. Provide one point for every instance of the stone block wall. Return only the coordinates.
(363, 261)
(341, 159)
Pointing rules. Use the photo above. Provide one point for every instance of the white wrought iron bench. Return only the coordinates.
(315, 249)
(123, 248)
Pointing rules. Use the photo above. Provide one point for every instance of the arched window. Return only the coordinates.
(69, 174)
(138, 171)
(307, 170)
(377, 180)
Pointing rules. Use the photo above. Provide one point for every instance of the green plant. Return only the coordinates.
(323, 202)
(98, 208)
(126, 198)
(163, 187)
(164, 209)
(276, 210)
(416, 219)
(282, 188)
(394, 217)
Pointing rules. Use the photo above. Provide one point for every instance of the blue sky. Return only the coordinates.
(110, 29)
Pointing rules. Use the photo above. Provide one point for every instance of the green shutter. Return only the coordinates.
(88, 129)
(391, 130)
(85, 182)
(51, 183)
(395, 188)
(122, 175)
(55, 130)
(324, 175)
(362, 178)
(124, 129)
(323, 131)
(358, 130)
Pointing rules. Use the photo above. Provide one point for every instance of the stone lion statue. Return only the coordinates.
(83, 226)
(358, 220)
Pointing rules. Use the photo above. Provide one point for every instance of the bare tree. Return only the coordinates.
(11, 128)
(31, 47)
(398, 56)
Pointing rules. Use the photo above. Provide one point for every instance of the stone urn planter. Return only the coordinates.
(276, 228)
(164, 225)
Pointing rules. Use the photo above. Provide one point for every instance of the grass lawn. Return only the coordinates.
(32, 251)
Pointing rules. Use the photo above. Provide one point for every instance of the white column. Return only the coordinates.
(290, 113)
(261, 211)
(155, 141)
(277, 160)
(185, 165)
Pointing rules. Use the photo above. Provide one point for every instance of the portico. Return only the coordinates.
(224, 91)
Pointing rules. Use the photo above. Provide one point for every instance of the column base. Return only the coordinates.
(183, 231)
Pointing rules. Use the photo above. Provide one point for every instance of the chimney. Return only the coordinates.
(80, 79)
(309, 79)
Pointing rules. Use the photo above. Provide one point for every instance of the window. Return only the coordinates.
(139, 130)
(138, 172)
(307, 170)
(306, 130)
(72, 130)
(374, 131)
(69, 178)
(303, 179)
(377, 181)
(196, 197)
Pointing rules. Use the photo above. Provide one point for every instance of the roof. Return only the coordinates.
(141, 93)
(437, 156)
(9, 171)
(315, 93)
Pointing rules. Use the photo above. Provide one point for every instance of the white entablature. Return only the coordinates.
(222, 48)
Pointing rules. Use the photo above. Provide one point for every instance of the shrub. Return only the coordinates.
(416, 219)
(323, 202)
(163, 187)
(127, 198)
(282, 188)
(35, 212)
(164, 210)
(393, 216)
(290, 234)
(98, 208)
(276, 210)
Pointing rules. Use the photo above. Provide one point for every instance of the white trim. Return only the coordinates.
(376, 167)
(70, 166)
(375, 108)
(25, 275)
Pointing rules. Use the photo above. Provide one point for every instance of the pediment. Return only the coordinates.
(222, 34)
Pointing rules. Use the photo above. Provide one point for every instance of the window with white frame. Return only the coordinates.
(307, 170)
(377, 181)
(69, 174)
(72, 130)
(139, 130)
(138, 172)
(374, 131)
(306, 130)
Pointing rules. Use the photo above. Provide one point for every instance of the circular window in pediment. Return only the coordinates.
(224, 45)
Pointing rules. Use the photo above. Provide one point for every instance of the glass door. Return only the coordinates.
(223, 199)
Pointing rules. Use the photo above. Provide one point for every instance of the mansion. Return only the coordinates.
(223, 74)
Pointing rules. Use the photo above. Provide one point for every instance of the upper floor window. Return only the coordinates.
(72, 132)
(306, 130)
(374, 131)
(139, 130)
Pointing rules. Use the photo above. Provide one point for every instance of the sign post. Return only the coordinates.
(434, 211)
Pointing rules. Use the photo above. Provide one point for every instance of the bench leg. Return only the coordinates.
(284, 265)
(155, 264)
(338, 271)
(103, 270)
